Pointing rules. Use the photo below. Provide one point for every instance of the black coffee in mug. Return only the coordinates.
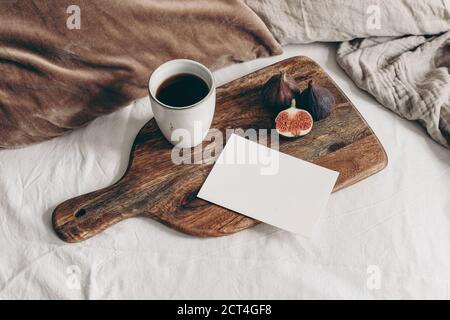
(182, 90)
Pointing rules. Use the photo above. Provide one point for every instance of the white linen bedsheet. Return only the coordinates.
(385, 237)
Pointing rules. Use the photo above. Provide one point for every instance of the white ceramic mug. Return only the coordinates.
(183, 126)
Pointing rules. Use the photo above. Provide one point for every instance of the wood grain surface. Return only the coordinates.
(153, 186)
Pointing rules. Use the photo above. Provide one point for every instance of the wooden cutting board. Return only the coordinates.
(153, 186)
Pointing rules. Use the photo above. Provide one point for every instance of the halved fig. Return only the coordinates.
(293, 122)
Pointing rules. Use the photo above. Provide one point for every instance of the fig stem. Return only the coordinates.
(293, 103)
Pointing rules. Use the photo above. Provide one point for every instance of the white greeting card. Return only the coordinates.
(270, 186)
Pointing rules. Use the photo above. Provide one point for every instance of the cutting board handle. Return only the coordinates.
(82, 217)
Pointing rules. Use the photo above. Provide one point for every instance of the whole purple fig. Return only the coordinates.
(318, 100)
(279, 91)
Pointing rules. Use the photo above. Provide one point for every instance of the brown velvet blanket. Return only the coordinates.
(55, 77)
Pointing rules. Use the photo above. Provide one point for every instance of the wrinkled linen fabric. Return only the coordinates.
(387, 236)
(407, 74)
(305, 21)
(55, 78)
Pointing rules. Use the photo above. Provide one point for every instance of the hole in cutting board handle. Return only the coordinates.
(80, 213)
